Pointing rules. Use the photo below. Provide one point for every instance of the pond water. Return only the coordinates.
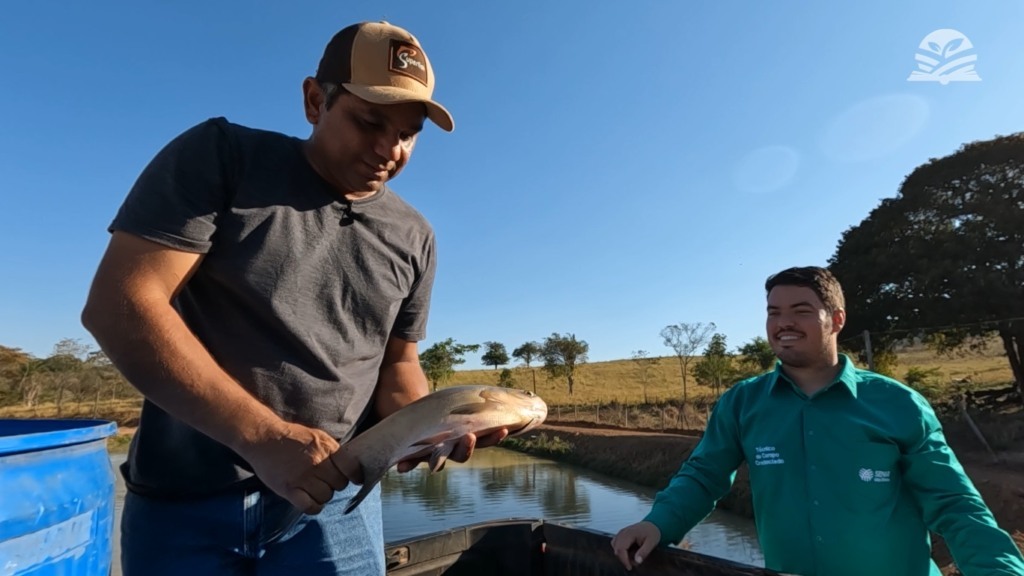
(498, 484)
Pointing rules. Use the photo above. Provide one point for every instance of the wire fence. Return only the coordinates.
(663, 416)
(692, 417)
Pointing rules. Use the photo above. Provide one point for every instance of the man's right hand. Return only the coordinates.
(295, 462)
(644, 535)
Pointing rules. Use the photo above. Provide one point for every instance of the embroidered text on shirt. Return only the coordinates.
(767, 455)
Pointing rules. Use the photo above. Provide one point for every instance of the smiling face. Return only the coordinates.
(801, 329)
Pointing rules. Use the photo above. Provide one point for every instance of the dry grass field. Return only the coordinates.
(124, 411)
(613, 393)
(619, 381)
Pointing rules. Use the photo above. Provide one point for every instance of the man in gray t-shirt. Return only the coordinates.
(265, 294)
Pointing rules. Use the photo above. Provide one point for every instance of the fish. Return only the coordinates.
(433, 425)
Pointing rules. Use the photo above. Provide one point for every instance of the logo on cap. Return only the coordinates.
(407, 59)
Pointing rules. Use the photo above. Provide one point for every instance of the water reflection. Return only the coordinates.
(497, 483)
(500, 484)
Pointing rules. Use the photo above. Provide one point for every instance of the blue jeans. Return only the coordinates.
(227, 534)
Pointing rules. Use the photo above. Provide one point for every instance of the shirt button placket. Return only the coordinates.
(811, 452)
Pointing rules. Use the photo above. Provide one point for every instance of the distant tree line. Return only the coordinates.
(74, 373)
(562, 355)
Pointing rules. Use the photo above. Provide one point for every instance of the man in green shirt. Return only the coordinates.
(849, 469)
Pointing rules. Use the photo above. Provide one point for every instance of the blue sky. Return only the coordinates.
(615, 167)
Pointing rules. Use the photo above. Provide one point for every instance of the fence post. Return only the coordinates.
(867, 349)
(977, 432)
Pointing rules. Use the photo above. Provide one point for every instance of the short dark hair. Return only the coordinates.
(819, 279)
(331, 93)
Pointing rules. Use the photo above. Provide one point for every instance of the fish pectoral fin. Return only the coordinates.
(437, 461)
(440, 455)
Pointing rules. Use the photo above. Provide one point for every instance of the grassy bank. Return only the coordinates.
(614, 382)
(646, 458)
(611, 393)
(118, 444)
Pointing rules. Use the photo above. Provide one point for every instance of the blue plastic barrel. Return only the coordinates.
(56, 497)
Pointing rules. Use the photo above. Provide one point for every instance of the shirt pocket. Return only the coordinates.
(869, 478)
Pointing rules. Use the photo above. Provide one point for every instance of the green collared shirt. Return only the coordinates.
(846, 482)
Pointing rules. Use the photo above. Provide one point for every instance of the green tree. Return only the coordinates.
(757, 356)
(527, 353)
(944, 259)
(30, 386)
(506, 380)
(67, 364)
(927, 381)
(685, 339)
(643, 364)
(439, 361)
(15, 367)
(563, 355)
(102, 377)
(495, 355)
(715, 368)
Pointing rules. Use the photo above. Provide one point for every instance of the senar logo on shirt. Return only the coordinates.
(869, 475)
(767, 456)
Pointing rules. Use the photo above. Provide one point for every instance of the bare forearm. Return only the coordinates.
(400, 384)
(159, 355)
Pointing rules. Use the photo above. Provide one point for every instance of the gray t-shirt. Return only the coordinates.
(295, 297)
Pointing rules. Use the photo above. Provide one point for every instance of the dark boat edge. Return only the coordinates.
(532, 546)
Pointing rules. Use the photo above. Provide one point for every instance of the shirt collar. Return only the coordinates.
(846, 377)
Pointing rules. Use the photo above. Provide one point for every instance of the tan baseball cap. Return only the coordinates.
(384, 64)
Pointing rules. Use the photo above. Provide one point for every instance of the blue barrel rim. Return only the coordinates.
(33, 434)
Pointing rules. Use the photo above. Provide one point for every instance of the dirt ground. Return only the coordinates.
(650, 459)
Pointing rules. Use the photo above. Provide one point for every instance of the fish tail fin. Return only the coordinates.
(371, 478)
